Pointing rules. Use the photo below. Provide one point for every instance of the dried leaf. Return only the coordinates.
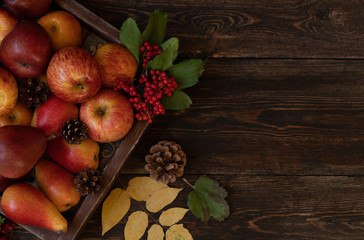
(208, 200)
(141, 188)
(161, 198)
(114, 208)
(178, 232)
(172, 216)
(136, 225)
(155, 232)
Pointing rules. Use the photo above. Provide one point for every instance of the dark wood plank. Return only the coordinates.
(269, 117)
(254, 29)
(265, 207)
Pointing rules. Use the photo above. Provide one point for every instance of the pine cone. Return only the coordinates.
(88, 181)
(165, 162)
(32, 92)
(74, 131)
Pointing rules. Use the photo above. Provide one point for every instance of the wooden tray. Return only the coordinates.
(89, 204)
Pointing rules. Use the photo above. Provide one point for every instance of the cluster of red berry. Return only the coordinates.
(149, 51)
(151, 87)
(6, 227)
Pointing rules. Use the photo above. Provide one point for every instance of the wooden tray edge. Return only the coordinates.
(126, 147)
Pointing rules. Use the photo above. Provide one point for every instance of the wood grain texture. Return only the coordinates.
(266, 116)
(277, 118)
(266, 207)
(253, 29)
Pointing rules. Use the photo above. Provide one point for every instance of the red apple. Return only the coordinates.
(26, 50)
(52, 114)
(116, 62)
(109, 116)
(7, 23)
(74, 75)
(8, 92)
(28, 8)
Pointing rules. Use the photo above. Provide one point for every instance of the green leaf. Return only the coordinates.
(156, 28)
(198, 206)
(178, 101)
(163, 61)
(187, 73)
(173, 43)
(207, 199)
(130, 37)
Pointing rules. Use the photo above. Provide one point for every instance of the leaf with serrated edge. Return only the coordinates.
(156, 28)
(114, 208)
(178, 101)
(130, 37)
(198, 206)
(187, 72)
(207, 200)
(136, 225)
(172, 216)
(155, 232)
(210, 189)
(178, 232)
(206, 184)
(141, 188)
(173, 43)
(164, 60)
(162, 198)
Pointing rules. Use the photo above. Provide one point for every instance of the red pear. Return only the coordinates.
(57, 184)
(52, 114)
(74, 157)
(25, 204)
(6, 182)
(20, 149)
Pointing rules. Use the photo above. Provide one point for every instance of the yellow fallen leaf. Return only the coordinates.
(155, 232)
(161, 198)
(140, 188)
(172, 216)
(178, 232)
(114, 208)
(136, 225)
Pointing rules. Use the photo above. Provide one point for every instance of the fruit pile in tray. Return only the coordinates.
(57, 104)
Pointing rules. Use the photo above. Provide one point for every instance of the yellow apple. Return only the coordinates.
(8, 91)
(19, 115)
(63, 28)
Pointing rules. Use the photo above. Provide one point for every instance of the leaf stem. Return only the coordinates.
(150, 215)
(188, 183)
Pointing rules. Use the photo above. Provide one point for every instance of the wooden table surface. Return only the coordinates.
(277, 117)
